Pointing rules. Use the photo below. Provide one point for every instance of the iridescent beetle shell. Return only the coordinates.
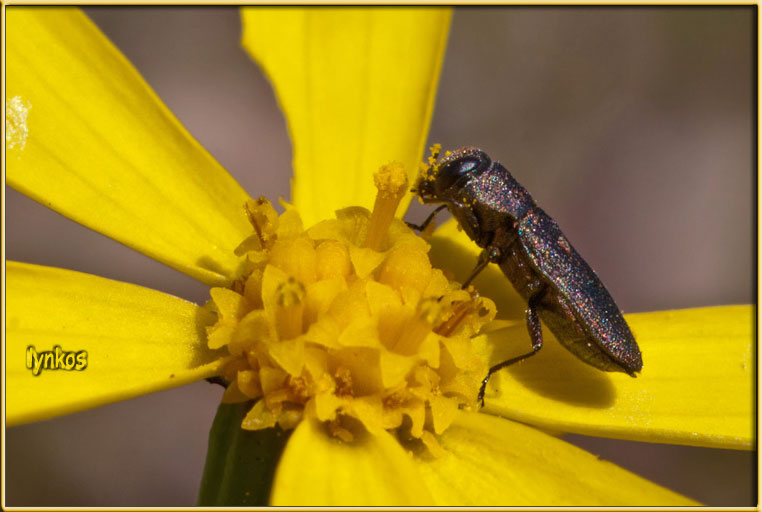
(560, 287)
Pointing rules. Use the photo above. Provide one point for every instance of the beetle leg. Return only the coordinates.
(535, 333)
(491, 254)
(428, 220)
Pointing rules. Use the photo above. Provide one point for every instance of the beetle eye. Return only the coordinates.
(452, 171)
(468, 165)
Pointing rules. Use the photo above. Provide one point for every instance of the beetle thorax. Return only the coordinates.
(496, 194)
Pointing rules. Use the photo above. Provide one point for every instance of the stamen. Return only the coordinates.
(391, 182)
(264, 219)
(460, 311)
(338, 431)
(290, 309)
(343, 382)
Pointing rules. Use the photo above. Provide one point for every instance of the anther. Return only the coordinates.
(289, 312)
(264, 219)
(460, 311)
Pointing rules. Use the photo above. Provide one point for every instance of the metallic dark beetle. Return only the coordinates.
(559, 286)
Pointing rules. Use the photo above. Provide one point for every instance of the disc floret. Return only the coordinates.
(347, 322)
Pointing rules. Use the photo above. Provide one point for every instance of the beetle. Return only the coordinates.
(558, 285)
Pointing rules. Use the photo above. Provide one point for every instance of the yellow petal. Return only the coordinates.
(136, 341)
(104, 151)
(491, 461)
(319, 470)
(357, 86)
(696, 387)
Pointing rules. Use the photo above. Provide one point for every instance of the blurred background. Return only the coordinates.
(633, 127)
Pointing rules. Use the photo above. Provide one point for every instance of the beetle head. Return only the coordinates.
(442, 180)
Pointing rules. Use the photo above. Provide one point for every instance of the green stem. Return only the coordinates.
(240, 464)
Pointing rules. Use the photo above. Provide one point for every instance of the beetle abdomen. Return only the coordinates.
(579, 290)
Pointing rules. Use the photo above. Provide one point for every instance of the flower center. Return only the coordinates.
(348, 323)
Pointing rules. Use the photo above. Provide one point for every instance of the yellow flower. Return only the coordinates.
(87, 137)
